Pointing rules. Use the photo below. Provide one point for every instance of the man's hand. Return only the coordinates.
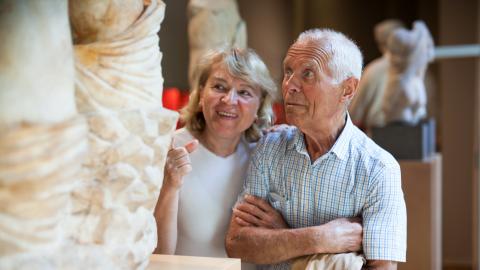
(254, 211)
(178, 164)
(342, 235)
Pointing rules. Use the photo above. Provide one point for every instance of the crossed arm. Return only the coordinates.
(258, 234)
(248, 238)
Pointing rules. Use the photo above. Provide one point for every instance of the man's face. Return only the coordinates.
(310, 94)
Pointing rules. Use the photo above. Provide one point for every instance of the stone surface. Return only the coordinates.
(396, 86)
(213, 24)
(94, 20)
(42, 139)
(366, 106)
(77, 191)
(405, 97)
(118, 89)
(36, 63)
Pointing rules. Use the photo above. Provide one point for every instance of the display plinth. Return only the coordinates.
(422, 186)
(175, 262)
(406, 141)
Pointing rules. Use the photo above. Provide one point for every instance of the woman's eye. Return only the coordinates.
(245, 93)
(219, 87)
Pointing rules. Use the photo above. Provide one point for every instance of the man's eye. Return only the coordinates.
(287, 72)
(308, 74)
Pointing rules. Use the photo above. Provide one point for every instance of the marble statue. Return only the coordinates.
(78, 188)
(42, 138)
(366, 107)
(410, 51)
(213, 24)
(119, 90)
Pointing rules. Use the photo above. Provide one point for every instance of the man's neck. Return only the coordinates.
(320, 141)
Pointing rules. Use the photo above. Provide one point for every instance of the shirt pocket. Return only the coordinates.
(278, 201)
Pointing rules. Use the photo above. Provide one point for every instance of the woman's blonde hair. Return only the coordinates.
(244, 64)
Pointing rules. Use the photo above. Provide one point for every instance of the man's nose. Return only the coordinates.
(290, 83)
(231, 97)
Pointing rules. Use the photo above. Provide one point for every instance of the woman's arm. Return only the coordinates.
(166, 211)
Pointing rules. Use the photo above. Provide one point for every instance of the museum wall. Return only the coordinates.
(458, 79)
(174, 43)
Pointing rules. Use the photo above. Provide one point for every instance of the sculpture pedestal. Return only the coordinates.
(175, 262)
(422, 186)
(405, 141)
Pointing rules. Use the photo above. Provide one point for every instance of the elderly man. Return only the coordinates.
(322, 173)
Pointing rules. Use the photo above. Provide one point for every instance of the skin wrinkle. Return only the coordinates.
(311, 56)
(312, 51)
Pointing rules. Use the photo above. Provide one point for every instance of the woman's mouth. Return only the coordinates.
(227, 114)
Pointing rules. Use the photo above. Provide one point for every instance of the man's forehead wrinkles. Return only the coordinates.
(311, 54)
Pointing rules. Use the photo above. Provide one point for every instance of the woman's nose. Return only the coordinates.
(231, 97)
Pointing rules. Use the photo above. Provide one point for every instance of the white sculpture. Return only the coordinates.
(405, 96)
(366, 107)
(118, 89)
(42, 138)
(213, 24)
(64, 208)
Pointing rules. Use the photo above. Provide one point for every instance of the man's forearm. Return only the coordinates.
(270, 246)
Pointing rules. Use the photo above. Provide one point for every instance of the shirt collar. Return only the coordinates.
(339, 148)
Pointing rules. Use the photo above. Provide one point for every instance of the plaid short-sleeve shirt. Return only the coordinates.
(355, 178)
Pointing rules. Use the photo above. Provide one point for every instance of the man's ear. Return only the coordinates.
(350, 86)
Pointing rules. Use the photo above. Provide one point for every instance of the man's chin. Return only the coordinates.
(292, 120)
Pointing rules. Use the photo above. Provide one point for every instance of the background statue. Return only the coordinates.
(410, 51)
(366, 107)
(213, 24)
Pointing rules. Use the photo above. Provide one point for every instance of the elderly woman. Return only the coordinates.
(228, 108)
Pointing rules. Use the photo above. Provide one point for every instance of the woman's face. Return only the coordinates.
(229, 104)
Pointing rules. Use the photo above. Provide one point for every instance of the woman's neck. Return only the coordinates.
(223, 147)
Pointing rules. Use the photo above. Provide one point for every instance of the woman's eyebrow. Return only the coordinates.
(216, 78)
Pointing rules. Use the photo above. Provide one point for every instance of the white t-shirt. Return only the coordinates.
(207, 196)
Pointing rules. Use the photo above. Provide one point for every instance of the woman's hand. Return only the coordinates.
(276, 128)
(178, 164)
(254, 211)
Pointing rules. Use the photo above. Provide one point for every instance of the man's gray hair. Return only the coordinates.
(345, 59)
